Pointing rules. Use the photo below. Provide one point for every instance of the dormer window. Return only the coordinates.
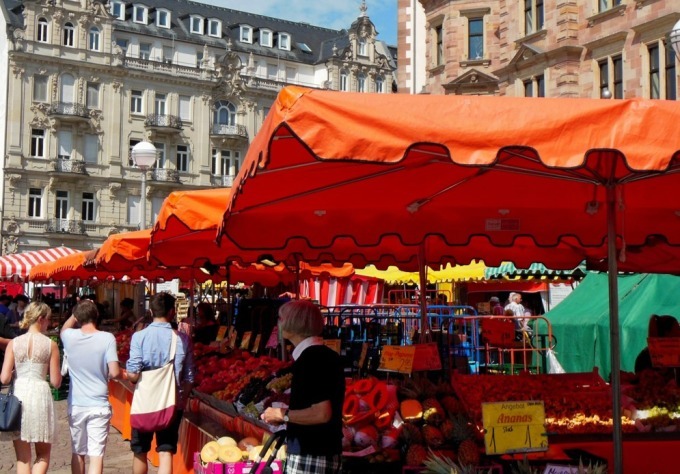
(196, 24)
(162, 18)
(246, 34)
(214, 28)
(140, 14)
(266, 38)
(363, 47)
(118, 10)
(284, 41)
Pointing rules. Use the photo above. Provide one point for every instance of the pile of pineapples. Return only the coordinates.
(436, 425)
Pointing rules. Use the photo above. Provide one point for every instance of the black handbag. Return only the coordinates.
(10, 410)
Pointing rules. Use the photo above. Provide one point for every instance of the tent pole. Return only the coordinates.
(422, 272)
(614, 328)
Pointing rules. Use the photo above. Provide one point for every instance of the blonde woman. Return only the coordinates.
(33, 355)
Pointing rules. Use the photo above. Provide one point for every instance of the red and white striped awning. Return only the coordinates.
(17, 266)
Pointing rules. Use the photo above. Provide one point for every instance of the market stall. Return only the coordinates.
(457, 149)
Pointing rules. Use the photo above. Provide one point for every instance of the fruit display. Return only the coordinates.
(123, 344)
(652, 400)
(574, 403)
(227, 450)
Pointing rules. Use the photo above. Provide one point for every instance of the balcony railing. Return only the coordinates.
(68, 226)
(225, 181)
(170, 176)
(231, 130)
(165, 67)
(66, 165)
(68, 109)
(165, 121)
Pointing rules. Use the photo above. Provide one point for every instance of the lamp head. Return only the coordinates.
(267, 260)
(209, 268)
(144, 155)
(675, 38)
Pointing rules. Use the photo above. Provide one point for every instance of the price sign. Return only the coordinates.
(221, 332)
(273, 341)
(426, 357)
(664, 351)
(181, 307)
(256, 344)
(498, 333)
(397, 359)
(514, 427)
(232, 337)
(362, 356)
(333, 344)
(245, 340)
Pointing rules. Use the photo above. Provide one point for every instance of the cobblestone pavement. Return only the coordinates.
(118, 458)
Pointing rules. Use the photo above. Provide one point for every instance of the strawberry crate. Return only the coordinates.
(490, 469)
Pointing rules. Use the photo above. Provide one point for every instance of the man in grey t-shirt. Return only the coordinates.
(92, 361)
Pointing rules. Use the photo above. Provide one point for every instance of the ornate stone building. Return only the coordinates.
(88, 79)
(550, 48)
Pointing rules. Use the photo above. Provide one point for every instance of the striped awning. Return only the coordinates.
(17, 266)
(536, 270)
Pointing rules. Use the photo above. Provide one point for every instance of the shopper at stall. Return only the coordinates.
(495, 307)
(314, 417)
(126, 318)
(33, 355)
(206, 327)
(659, 326)
(92, 361)
(149, 349)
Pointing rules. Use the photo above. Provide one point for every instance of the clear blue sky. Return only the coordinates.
(336, 14)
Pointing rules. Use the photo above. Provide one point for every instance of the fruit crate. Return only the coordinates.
(490, 469)
(233, 467)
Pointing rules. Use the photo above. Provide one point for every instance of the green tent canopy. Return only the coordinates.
(580, 323)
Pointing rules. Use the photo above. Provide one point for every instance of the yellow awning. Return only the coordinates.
(474, 271)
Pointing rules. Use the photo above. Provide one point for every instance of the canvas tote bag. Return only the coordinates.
(154, 398)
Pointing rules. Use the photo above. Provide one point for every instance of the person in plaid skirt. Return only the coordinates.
(314, 417)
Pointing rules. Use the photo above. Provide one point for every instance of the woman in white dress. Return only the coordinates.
(32, 355)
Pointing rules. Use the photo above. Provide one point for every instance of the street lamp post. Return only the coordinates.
(144, 155)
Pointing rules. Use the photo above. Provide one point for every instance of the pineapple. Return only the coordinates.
(433, 436)
(448, 429)
(410, 434)
(462, 429)
(452, 405)
(436, 464)
(433, 412)
(468, 453)
(416, 455)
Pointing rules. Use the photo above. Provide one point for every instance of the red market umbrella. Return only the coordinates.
(448, 178)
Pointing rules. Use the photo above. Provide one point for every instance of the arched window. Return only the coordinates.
(225, 113)
(344, 81)
(93, 39)
(41, 34)
(361, 82)
(69, 34)
(379, 84)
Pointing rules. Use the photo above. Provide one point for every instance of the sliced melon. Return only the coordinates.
(210, 451)
(226, 441)
(230, 454)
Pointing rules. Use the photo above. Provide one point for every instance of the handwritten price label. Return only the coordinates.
(664, 351)
(397, 359)
(514, 427)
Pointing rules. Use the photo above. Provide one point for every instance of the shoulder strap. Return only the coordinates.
(173, 346)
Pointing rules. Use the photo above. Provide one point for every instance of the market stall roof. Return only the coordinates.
(509, 270)
(17, 266)
(440, 273)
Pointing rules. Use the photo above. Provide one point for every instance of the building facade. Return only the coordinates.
(539, 48)
(88, 79)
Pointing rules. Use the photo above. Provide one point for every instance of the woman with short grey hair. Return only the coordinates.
(314, 417)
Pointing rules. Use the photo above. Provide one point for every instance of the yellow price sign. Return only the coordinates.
(221, 332)
(397, 359)
(514, 427)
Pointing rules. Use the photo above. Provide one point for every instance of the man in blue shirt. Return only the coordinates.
(92, 360)
(150, 349)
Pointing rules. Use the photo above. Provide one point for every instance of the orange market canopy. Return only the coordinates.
(390, 178)
(17, 266)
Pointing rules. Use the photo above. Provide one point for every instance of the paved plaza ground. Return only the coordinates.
(118, 458)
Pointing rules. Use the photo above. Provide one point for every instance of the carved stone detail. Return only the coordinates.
(10, 244)
(12, 226)
(13, 179)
